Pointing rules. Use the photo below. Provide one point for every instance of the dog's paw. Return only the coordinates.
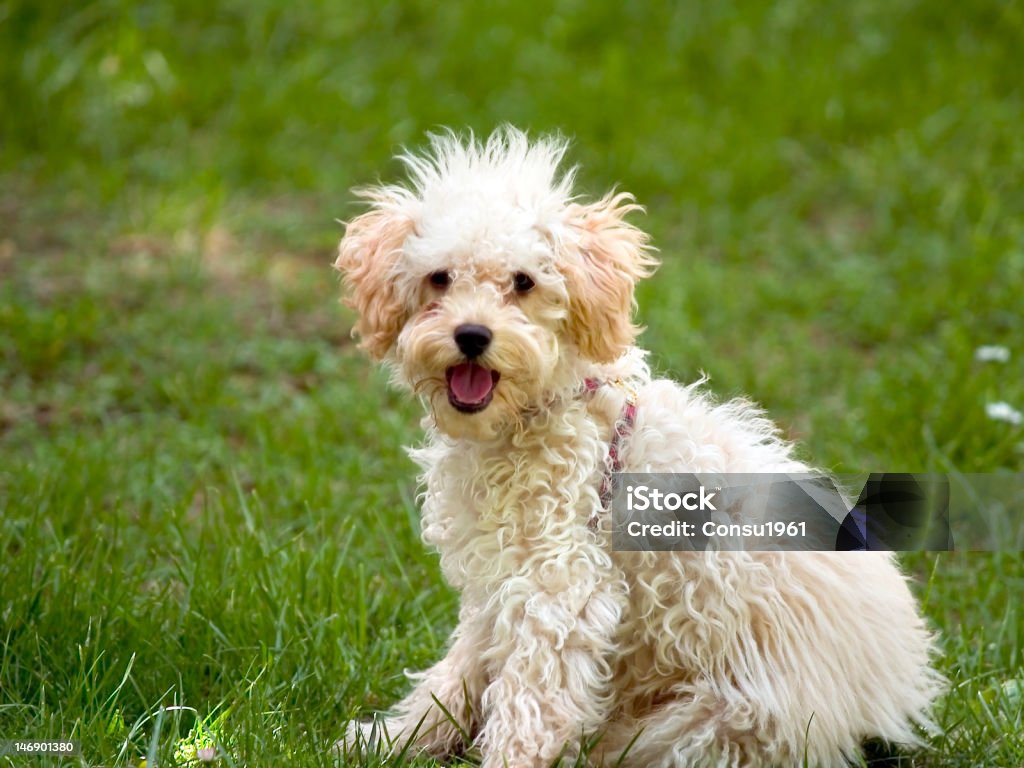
(502, 761)
(363, 738)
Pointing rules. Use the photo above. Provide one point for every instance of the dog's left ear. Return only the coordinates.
(601, 269)
(367, 257)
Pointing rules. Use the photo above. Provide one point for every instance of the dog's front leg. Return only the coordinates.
(449, 690)
(551, 686)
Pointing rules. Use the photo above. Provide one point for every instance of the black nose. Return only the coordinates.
(472, 340)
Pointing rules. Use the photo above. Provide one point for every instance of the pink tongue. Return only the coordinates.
(470, 383)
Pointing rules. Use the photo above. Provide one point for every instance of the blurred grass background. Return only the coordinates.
(207, 518)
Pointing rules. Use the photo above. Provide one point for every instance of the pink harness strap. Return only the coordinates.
(623, 428)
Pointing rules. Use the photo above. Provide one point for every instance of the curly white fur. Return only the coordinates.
(689, 659)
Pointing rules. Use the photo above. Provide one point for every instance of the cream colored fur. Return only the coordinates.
(714, 659)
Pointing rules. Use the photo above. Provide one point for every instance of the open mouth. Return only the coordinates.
(470, 386)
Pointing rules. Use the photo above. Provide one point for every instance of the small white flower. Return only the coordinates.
(206, 754)
(992, 353)
(1004, 412)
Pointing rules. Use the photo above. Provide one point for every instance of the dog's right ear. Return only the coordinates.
(367, 258)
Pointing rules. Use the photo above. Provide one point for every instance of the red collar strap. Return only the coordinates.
(623, 428)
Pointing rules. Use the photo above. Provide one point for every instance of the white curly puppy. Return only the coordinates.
(505, 303)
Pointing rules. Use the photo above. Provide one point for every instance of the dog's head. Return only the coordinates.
(486, 285)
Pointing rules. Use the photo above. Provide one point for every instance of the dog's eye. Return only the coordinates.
(522, 282)
(440, 279)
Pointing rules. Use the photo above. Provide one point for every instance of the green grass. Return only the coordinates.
(207, 522)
